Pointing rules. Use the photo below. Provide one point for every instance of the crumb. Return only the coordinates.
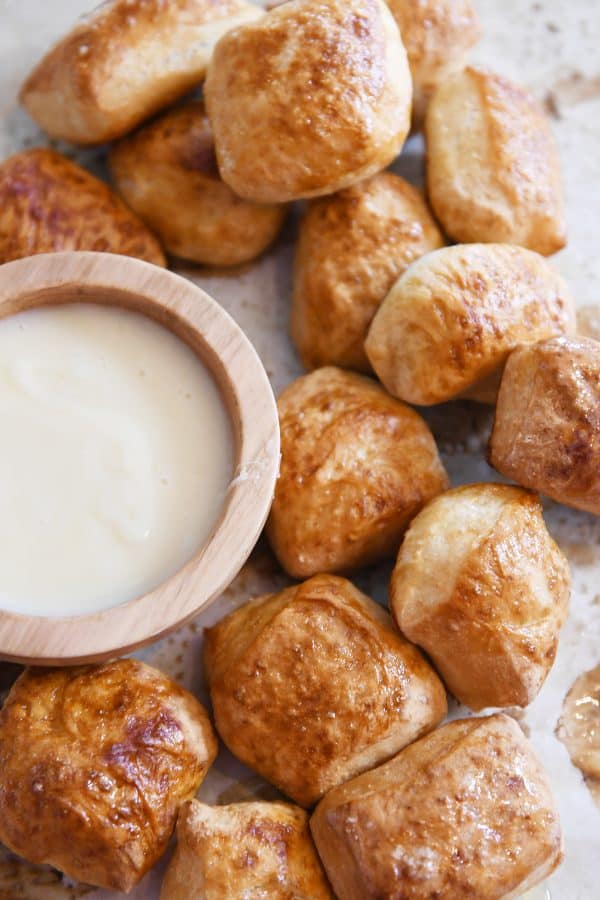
(550, 104)
(570, 90)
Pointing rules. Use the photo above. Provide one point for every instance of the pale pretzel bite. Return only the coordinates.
(450, 321)
(48, 203)
(481, 586)
(95, 762)
(438, 35)
(356, 466)
(546, 433)
(244, 850)
(465, 812)
(310, 99)
(125, 61)
(167, 173)
(351, 248)
(493, 169)
(313, 685)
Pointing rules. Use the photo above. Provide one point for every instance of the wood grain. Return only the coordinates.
(198, 320)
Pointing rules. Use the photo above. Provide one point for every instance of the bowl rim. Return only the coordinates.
(194, 316)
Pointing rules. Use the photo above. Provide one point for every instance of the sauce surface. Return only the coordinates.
(115, 458)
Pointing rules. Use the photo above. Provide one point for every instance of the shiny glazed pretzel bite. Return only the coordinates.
(48, 203)
(356, 466)
(493, 170)
(546, 432)
(94, 764)
(481, 586)
(167, 173)
(450, 321)
(244, 850)
(437, 35)
(466, 812)
(313, 685)
(313, 97)
(351, 248)
(125, 61)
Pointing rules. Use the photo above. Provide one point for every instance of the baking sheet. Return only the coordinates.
(550, 46)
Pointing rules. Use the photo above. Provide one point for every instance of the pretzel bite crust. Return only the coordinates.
(437, 35)
(449, 323)
(244, 850)
(465, 812)
(167, 173)
(351, 248)
(48, 203)
(356, 467)
(313, 685)
(481, 586)
(493, 170)
(312, 98)
(546, 432)
(125, 61)
(94, 764)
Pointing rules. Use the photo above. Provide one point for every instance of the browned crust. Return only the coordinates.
(167, 173)
(467, 811)
(125, 61)
(493, 169)
(351, 248)
(546, 432)
(94, 764)
(356, 466)
(244, 850)
(492, 626)
(310, 99)
(48, 203)
(313, 685)
(453, 317)
(437, 35)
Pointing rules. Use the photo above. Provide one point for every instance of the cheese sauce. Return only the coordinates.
(115, 457)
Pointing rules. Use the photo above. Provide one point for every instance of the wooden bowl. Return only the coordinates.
(177, 304)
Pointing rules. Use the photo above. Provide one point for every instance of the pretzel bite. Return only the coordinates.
(242, 851)
(125, 61)
(437, 35)
(481, 586)
(493, 170)
(352, 246)
(449, 323)
(313, 685)
(356, 467)
(546, 432)
(167, 173)
(312, 98)
(94, 764)
(465, 812)
(48, 203)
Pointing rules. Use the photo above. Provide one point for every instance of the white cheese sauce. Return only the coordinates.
(116, 453)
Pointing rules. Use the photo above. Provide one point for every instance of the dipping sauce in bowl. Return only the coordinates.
(138, 456)
(115, 457)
